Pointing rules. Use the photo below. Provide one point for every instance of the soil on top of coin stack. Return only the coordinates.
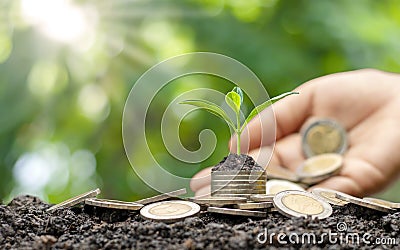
(237, 162)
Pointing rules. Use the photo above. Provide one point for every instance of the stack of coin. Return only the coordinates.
(237, 183)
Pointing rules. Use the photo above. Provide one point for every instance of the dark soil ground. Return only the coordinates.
(237, 162)
(25, 224)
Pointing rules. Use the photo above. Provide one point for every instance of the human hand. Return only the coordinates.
(365, 102)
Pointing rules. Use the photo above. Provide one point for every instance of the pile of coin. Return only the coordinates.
(247, 193)
(243, 183)
(323, 142)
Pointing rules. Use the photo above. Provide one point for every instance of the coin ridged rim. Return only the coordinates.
(332, 170)
(247, 196)
(145, 211)
(115, 204)
(318, 191)
(390, 204)
(218, 200)
(242, 191)
(322, 121)
(287, 211)
(293, 186)
(363, 203)
(233, 211)
(255, 205)
(311, 180)
(76, 200)
(162, 197)
(239, 186)
(239, 172)
(262, 197)
(238, 190)
(238, 178)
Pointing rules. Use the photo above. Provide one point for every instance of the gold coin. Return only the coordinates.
(115, 204)
(301, 204)
(329, 196)
(276, 186)
(76, 200)
(254, 205)
(219, 200)
(262, 197)
(394, 205)
(240, 212)
(320, 167)
(363, 203)
(323, 136)
(170, 210)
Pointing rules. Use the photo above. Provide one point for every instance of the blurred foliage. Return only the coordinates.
(61, 101)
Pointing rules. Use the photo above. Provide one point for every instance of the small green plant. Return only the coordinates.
(234, 99)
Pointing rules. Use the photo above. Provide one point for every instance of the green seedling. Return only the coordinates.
(234, 99)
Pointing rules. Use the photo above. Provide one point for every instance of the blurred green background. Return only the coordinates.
(66, 68)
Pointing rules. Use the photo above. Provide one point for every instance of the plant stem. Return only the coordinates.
(238, 132)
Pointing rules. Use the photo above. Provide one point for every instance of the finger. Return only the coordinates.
(201, 179)
(289, 152)
(357, 177)
(204, 191)
(290, 113)
(264, 157)
(340, 183)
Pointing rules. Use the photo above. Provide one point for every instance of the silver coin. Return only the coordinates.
(272, 209)
(162, 197)
(363, 203)
(115, 204)
(262, 197)
(323, 136)
(390, 204)
(278, 172)
(232, 211)
(254, 205)
(219, 200)
(301, 204)
(329, 196)
(320, 167)
(76, 200)
(276, 186)
(170, 211)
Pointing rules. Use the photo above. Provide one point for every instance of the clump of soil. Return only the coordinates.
(238, 162)
(24, 223)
